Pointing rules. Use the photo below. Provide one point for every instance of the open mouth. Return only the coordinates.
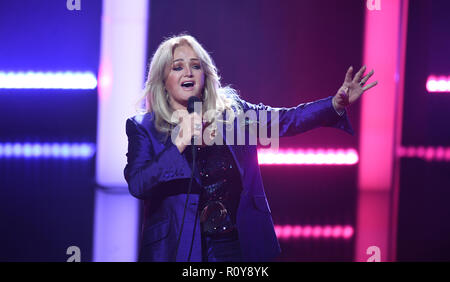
(188, 85)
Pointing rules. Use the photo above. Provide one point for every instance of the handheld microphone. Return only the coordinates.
(190, 109)
(191, 101)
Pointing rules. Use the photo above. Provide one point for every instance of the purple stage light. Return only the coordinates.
(46, 150)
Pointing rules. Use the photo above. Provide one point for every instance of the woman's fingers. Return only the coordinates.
(191, 125)
(196, 126)
(348, 75)
(349, 91)
(359, 74)
(364, 80)
(367, 87)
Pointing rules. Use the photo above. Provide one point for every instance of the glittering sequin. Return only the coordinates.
(221, 182)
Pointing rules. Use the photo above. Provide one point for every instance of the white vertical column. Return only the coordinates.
(121, 80)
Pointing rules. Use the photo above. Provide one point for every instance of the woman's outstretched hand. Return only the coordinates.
(352, 89)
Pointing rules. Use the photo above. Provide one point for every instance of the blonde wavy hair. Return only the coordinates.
(215, 98)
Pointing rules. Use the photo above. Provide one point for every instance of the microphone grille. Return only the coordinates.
(191, 101)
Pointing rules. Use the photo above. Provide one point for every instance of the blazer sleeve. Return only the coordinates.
(301, 118)
(145, 170)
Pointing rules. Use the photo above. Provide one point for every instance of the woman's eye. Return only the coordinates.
(197, 67)
(177, 68)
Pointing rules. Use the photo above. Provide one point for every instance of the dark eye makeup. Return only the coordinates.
(178, 68)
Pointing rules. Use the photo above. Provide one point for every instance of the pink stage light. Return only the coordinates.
(380, 128)
(438, 84)
(297, 231)
(307, 230)
(105, 79)
(429, 154)
(337, 232)
(317, 231)
(326, 232)
(308, 157)
(347, 232)
(286, 232)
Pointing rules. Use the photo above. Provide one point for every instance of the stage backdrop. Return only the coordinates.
(47, 203)
(283, 53)
(423, 226)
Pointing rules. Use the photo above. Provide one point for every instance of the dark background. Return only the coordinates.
(424, 209)
(47, 205)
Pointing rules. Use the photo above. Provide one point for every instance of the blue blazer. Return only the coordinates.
(159, 174)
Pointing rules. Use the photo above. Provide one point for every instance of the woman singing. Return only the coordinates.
(209, 205)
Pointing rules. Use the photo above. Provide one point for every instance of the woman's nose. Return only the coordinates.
(188, 72)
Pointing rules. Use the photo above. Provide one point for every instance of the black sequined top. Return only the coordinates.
(221, 191)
